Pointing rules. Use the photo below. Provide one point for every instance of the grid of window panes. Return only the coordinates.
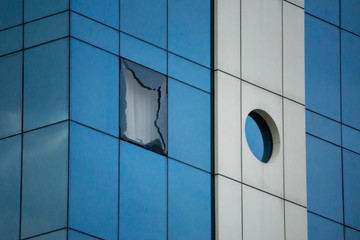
(332, 43)
(72, 73)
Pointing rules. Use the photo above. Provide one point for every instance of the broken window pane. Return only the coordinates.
(143, 106)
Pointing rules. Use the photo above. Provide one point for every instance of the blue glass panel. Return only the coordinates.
(189, 125)
(322, 229)
(10, 175)
(324, 178)
(79, 236)
(10, 13)
(351, 189)
(58, 235)
(94, 180)
(190, 36)
(145, 19)
(94, 87)
(189, 72)
(189, 203)
(351, 234)
(45, 180)
(11, 40)
(142, 53)
(322, 67)
(35, 9)
(46, 29)
(104, 11)
(142, 193)
(95, 33)
(46, 84)
(323, 127)
(10, 94)
(351, 139)
(350, 75)
(350, 15)
(324, 9)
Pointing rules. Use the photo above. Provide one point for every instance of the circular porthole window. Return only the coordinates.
(259, 134)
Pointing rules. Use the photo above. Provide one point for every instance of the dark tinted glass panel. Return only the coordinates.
(351, 139)
(46, 29)
(323, 127)
(190, 36)
(323, 229)
(46, 84)
(189, 72)
(105, 11)
(10, 175)
(324, 178)
(79, 236)
(10, 13)
(350, 15)
(189, 125)
(93, 182)
(142, 193)
(145, 19)
(143, 106)
(10, 94)
(11, 40)
(189, 203)
(142, 53)
(45, 174)
(351, 234)
(94, 87)
(322, 67)
(95, 33)
(58, 235)
(40, 8)
(352, 189)
(324, 9)
(350, 75)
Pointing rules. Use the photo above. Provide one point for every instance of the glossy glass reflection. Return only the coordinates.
(10, 176)
(46, 84)
(323, 229)
(58, 235)
(10, 94)
(73, 235)
(45, 180)
(11, 40)
(143, 106)
(143, 196)
(327, 10)
(189, 203)
(258, 137)
(93, 183)
(35, 9)
(94, 87)
(350, 12)
(10, 13)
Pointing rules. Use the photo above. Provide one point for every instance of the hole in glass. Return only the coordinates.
(258, 136)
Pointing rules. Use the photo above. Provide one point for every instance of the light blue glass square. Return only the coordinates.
(11, 40)
(327, 10)
(35, 9)
(10, 13)
(350, 15)
(323, 229)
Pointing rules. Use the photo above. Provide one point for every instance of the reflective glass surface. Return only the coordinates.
(351, 189)
(189, 72)
(350, 75)
(104, 11)
(45, 175)
(46, 29)
(189, 203)
(94, 87)
(322, 229)
(79, 236)
(10, 176)
(190, 36)
(93, 182)
(322, 67)
(324, 9)
(46, 84)
(10, 94)
(351, 234)
(11, 40)
(10, 13)
(142, 53)
(143, 106)
(324, 178)
(58, 235)
(95, 33)
(142, 193)
(351, 139)
(189, 125)
(145, 19)
(34, 9)
(350, 12)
